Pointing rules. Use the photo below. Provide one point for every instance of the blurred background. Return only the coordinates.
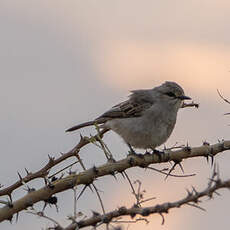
(66, 62)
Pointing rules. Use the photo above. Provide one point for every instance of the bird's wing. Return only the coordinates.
(139, 101)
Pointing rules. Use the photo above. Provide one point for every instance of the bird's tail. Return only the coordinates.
(80, 126)
(85, 124)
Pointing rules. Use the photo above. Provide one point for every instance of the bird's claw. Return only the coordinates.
(158, 153)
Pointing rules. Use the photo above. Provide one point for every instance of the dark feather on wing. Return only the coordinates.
(139, 101)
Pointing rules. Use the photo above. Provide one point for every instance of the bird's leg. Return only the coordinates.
(158, 153)
(132, 151)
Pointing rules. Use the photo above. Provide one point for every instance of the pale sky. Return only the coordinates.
(65, 62)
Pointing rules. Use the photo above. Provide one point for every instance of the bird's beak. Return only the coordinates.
(184, 97)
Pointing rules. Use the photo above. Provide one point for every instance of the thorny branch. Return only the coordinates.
(44, 171)
(110, 168)
(193, 198)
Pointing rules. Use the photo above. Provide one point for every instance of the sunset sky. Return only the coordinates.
(66, 62)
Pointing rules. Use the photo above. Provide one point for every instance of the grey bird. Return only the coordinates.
(146, 119)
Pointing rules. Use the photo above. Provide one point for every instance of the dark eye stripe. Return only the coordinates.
(170, 94)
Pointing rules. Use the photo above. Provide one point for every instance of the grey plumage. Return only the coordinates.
(146, 119)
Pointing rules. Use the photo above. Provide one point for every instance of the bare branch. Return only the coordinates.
(88, 176)
(133, 190)
(191, 200)
(43, 172)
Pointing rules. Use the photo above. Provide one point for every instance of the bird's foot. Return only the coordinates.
(158, 153)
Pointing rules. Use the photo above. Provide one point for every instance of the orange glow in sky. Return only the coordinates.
(154, 186)
(133, 64)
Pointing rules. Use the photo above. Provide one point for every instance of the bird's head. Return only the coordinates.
(172, 93)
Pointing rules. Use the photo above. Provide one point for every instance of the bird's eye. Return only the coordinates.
(170, 94)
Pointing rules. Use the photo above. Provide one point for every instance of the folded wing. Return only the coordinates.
(139, 101)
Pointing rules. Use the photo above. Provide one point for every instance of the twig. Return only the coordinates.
(41, 214)
(223, 97)
(184, 105)
(74, 203)
(196, 206)
(172, 175)
(191, 200)
(61, 170)
(99, 197)
(133, 190)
